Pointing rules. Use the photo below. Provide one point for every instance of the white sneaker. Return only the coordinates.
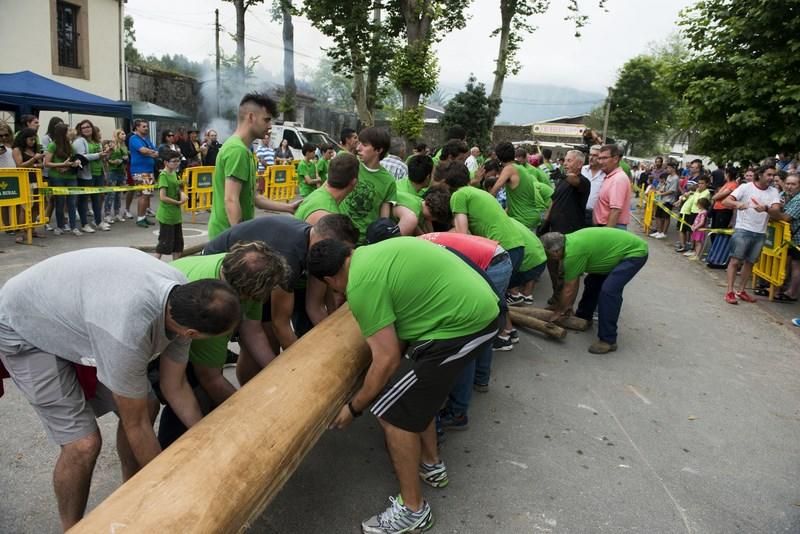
(104, 226)
(128, 215)
(66, 228)
(87, 229)
(654, 234)
(48, 228)
(150, 212)
(661, 235)
(689, 253)
(57, 231)
(90, 213)
(108, 219)
(120, 217)
(76, 232)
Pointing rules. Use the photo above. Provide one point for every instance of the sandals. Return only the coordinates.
(784, 298)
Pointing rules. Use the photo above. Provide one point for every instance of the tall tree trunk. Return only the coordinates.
(240, 11)
(360, 93)
(507, 10)
(373, 67)
(289, 84)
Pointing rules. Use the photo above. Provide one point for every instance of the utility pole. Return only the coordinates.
(608, 111)
(216, 39)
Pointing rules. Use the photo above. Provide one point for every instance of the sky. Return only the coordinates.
(551, 55)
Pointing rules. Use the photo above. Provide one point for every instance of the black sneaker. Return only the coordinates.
(514, 300)
(451, 421)
(502, 343)
(513, 335)
(480, 388)
(527, 300)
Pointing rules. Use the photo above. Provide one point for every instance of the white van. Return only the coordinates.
(297, 136)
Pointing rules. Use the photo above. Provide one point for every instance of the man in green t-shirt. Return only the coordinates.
(611, 258)
(307, 171)
(343, 176)
(376, 188)
(349, 139)
(409, 296)
(420, 168)
(527, 198)
(234, 183)
(324, 161)
(253, 270)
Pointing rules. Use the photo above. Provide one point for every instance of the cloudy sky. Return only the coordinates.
(551, 55)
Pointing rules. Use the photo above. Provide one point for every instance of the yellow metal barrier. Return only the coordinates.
(649, 208)
(19, 194)
(198, 187)
(280, 182)
(771, 266)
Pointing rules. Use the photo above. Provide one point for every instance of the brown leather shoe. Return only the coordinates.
(601, 347)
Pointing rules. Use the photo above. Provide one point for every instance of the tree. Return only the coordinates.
(282, 10)
(740, 85)
(515, 23)
(132, 55)
(330, 87)
(472, 109)
(439, 98)
(241, 7)
(640, 104)
(363, 46)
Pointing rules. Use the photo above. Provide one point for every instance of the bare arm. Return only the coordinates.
(178, 392)
(315, 300)
(233, 188)
(134, 415)
(214, 383)
(566, 299)
(776, 213)
(253, 339)
(461, 223)
(386, 209)
(505, 175)
(316, 216)
(163, 197)
(282, 308)
(386, 356)
(264, 203)
(613, 217)
(407, 220)
(731, 203)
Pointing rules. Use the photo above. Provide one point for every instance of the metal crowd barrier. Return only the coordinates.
(20, 192)
(198, 187)
(280, 182)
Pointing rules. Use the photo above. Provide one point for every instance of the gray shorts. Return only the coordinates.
(51, 387)
(746, 245)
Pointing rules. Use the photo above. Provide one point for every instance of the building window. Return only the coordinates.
(67, 34)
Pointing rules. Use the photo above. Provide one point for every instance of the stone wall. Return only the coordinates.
(173, 91)
(511, 133)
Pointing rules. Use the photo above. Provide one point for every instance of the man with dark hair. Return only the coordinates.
(327, 154)
(349, 139)
(307, 171)
(420, 168)
(454, 150)
(454, 133)
(613, 207)
(143, 155)
(253, 270)
(342, 179)
(293, 308)
(234, 182)
(409, 296)
(376, 188)
(527, 199)
(756, 202)
(437, 204)
(56, 315)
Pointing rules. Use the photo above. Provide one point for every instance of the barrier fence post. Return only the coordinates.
(280, 182)
(199, 186)
(771, 266)
(648, 211)
(16, 195)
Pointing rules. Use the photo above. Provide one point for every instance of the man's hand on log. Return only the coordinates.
(343, 419)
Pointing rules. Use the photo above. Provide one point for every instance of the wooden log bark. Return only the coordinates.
(532, 323)
(223, 472)
(571, 322)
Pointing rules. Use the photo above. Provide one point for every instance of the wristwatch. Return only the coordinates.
(353, 411)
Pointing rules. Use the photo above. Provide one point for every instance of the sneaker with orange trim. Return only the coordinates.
(730, 298)
(745, 296)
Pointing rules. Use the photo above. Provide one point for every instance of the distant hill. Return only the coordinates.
(524, 103)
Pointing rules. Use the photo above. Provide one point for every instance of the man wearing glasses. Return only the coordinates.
(613, 207)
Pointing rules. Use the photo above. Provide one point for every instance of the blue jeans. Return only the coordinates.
(479, 369)
(83, 200)
(604, 293)
(114, 200)
(59, 201)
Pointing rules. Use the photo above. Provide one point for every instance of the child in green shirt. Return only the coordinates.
(307, 171)
(324, 162)
(169, 216)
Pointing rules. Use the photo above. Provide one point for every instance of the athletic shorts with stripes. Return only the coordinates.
(411, 400)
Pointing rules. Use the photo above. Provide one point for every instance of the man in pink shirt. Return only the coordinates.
(613, 207)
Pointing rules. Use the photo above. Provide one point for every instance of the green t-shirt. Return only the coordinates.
(412, 202)
(306, 168)
(486, 216)
(319, 199)
(363, 204)
(688, 204)
(117, 154)
(625, 167)
(233, 161)
(322, 169)
(598, 250)
(169, 213)
(426, 291)
(211, 352)
(538, 174)
(534, 251)
(96, 166)
(404, 185)
(521, 200)
(59, 173)
(697, 196)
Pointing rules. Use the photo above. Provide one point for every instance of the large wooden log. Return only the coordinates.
(532, 323)
(224, 471)
(571, 322)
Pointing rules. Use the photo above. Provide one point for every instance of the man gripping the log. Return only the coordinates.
(611, 257)
(415, 298)
(57, 314)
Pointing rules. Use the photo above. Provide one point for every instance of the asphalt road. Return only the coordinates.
(692, 426)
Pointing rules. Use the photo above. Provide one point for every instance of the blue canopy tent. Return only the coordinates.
(26, 92)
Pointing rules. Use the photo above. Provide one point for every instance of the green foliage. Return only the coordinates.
(330, 87)
(740, 84)
(132, 55)
(416, 68)
(472, 109)
(640, 104)
(408, 123)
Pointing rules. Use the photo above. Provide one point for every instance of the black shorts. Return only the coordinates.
(170, 238)
(687, 227)
(411, 399)
(794, 253)
(661, 213)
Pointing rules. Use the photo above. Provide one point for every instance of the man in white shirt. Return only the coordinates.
(753, 201)
(472, 160)
(595, 175)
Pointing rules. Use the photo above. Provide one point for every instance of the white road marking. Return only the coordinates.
(636, 392)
